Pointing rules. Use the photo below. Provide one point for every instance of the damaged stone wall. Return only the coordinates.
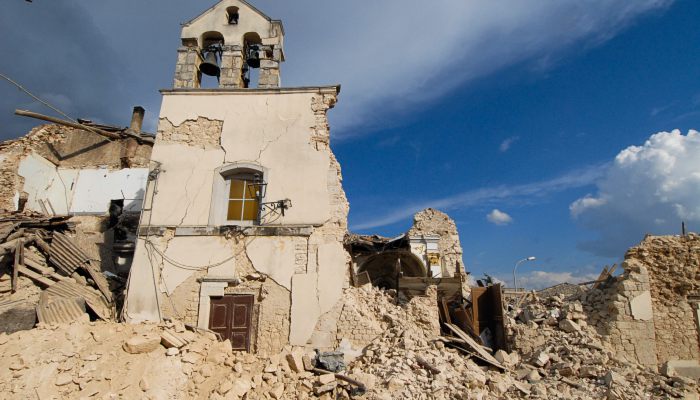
(621, 311)
(649, 313)
(298, 258)
(673, 263)
(202, 131)
(431, 221)
(367, 312)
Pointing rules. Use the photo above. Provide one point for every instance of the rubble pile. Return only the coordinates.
(556, 354)
(560, 355)
(107, 360)
(42, 269)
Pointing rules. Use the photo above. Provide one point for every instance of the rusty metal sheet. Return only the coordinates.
(58, 311)
(68, 289)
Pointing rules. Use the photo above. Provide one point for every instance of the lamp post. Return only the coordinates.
(515, 281)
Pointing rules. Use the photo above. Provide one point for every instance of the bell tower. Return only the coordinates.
(229, 41)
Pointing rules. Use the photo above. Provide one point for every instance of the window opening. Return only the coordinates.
(232, 14)
(243, 198)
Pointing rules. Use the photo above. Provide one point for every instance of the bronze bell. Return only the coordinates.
(253, 57)
(210, 66)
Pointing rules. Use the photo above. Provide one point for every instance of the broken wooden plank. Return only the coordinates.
(18, 263)
(486, 356)
(601, 278)
(445, 311)
(425, 364)
(44, 271)
(35, 276)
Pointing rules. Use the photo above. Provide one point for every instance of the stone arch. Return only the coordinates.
(381, 267)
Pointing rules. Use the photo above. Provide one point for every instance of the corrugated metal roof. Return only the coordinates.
(59, 310)
(64, 255)
(67, 256)
(68, 289)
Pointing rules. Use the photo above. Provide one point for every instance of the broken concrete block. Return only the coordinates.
(612, 378)
(541, 359)
(63, 379)
(170, 339)
(569, 326)
(295, 362)
(142, 344)
(277, 391)
(685, 368)
(308, 365)
(325, 388)
(641, 307)
(173, 351)
(326, 379)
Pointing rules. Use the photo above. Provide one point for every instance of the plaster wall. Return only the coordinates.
(45, 184)
(215, 20)
(79, 191)
(95, 188)
(260, 128)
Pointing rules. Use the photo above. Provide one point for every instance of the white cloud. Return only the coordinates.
(485, 196)
(542, 279)
(392, 56)
(647, 189)
(498, 217)
(505, 145)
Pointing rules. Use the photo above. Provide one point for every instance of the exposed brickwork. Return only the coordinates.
(201, 132)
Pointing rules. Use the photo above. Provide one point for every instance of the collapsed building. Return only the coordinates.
(223, 238)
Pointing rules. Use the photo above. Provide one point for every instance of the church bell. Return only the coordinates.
(210, 65)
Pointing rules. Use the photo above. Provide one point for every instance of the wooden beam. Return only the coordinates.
(18, 263)
(25, 113)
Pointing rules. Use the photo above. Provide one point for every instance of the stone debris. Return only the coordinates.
(407, 361)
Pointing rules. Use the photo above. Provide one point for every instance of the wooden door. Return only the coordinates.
(231, 316)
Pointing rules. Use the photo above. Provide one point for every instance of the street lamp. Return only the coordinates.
(515, 282)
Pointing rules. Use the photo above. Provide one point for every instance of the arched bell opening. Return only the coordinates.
(211, 50)
(385, 268)
(252, 47)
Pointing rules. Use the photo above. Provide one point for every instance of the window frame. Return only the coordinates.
(218, 213)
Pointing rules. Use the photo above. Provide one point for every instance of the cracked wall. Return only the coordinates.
(301, 268)
(60, 154)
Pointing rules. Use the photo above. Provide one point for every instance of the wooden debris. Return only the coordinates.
(478, 349)
(341, 377)
(425, 364)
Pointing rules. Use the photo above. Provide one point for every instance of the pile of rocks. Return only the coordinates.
(560, 354)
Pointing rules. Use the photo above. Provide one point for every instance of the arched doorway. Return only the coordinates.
(382, 267)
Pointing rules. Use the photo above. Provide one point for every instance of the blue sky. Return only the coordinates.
(521, 107)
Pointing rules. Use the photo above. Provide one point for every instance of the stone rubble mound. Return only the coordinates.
(556, 355)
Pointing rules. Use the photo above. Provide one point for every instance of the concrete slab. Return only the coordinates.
(305, 308)
(95, 188)
(687, 368)
(45, 185)
(332, 274)
(641, 307)
(274, 257)
(195, 252)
